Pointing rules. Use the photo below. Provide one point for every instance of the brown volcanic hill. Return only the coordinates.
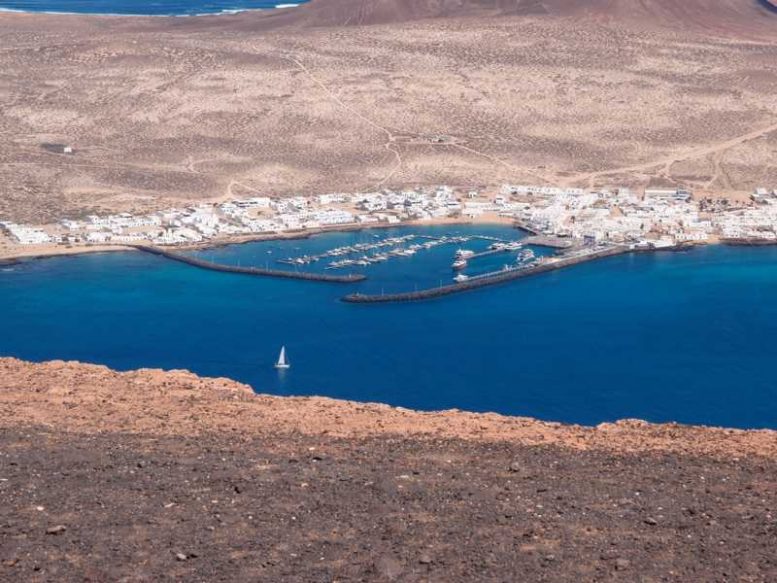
(715, 15)
(741, 16)
(719, 16)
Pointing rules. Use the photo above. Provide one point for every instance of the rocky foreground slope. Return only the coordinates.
(151, 475)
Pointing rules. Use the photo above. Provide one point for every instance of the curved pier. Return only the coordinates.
(455, 288)
(249, 270)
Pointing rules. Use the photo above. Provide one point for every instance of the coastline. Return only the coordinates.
(614, 422)
(316, 415)
(159, 473)
(17, 253)
(116, 15)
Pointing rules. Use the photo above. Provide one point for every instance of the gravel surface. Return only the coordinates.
(123, 507)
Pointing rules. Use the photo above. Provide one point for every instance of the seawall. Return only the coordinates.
(455, 288)
(748, 242)
(202, 264)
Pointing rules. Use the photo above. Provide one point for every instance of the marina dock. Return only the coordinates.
(506, 246)
(498, 278)
(202, 264)
(500, 247)
(364, 254)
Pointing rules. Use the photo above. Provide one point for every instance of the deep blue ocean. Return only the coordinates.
(688, 337)
(143, 7)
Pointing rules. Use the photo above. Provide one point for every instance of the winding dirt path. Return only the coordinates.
(390, 137)
(668, 162)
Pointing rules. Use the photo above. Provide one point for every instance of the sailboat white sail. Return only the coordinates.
(282, 362)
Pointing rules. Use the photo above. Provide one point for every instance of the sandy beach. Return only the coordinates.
(10, 252)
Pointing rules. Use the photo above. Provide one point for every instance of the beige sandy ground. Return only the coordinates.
(164, 111)
(50, 250)
(86, 398)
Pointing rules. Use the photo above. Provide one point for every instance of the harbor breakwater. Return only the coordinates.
(572, 258)
(748, 242)
(430, 293)
(302, 275)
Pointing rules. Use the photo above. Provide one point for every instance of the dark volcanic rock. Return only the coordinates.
(584, 516)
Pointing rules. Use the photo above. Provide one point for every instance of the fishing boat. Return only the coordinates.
(282, 363)
(464, 253)
(459, 264)
(461, 278)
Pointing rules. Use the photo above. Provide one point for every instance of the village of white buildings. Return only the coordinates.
(653, 217)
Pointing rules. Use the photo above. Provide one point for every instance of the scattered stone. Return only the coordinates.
(622, 564)
(389, 567)
(651, 521)
(449, 523)
(58, 529)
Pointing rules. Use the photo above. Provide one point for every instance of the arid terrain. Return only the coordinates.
(157, 476)
(149, 476)
(357, 94)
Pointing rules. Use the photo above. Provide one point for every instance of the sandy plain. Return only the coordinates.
(160, 113)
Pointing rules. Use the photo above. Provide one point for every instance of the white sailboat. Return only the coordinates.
(282, 363)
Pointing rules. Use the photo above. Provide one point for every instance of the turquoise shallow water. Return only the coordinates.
(141, 7)
(687, 337)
